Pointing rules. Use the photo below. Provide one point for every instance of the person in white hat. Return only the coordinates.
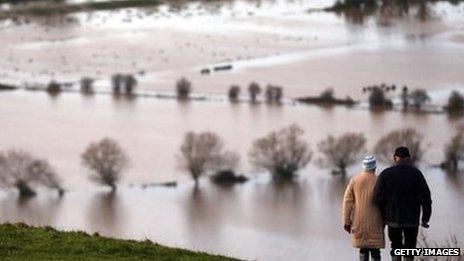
(361, 217)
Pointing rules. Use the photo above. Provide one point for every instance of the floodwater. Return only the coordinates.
(279, 42)
(258, 220)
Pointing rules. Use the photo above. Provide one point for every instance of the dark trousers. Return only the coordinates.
(403, 237)
(375, 252)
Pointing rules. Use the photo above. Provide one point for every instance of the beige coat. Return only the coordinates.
(361, 213)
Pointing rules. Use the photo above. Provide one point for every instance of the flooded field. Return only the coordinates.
(289, 43)
(280, 42)
(297, 220)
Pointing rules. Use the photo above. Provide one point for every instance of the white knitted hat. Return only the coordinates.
(369, 163)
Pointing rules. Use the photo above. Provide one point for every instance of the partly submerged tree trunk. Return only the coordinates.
(453, 165)
(24, 189)
(284, 173)
(113, 187)
(343, 172)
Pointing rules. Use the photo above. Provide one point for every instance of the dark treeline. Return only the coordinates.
(340, 5)
(411, 100)
(380, 96)
(385, 11)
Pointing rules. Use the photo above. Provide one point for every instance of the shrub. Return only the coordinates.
(123, 82)
(409, 138)
(183, 89)
(254, 90)
(54, 88)
(116, 81)
(378, 100)
(455, 103)
(419, 98)
(405, 97)
(86, 84)
(274, 94)
(234, 93)
(129, 82)
(281, 152)
(342, 152)
(228, 177)
(106, 161)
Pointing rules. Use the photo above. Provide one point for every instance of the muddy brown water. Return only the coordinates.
(257, 220)
(275, 42)
(278, 42)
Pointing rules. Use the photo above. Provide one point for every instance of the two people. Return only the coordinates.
(395, 199)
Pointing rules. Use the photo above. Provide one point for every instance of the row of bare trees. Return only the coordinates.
(120, 83)
(273, 93)
(281, 153)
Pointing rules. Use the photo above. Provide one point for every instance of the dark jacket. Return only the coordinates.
(400, 193)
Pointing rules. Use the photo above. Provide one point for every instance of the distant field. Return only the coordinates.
(44, 8)
(23, 242)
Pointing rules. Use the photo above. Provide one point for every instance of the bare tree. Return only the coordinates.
(419, 98)
(16, 173)
(106, 161)
(116, 81)
(405, 97)
(46, 174)
(201, 153)
(454, 150)
(129, 84)
(254, 90)
(342, 152)
(281, 152)
(123, 82)
(86, 84)
(183, 89)
(279, 94)
(20, 170)
(234, 93)
(377, 99)
(274, 94)
(409, 138)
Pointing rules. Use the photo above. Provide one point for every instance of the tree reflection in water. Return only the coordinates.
(106, 213)
(388, 12)
(40, 210)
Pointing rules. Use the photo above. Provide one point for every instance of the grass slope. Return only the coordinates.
(23, 242)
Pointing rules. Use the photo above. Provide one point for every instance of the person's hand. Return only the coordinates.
(425, 225)
(347, 228)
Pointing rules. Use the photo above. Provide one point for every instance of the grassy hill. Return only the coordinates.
(23, 242)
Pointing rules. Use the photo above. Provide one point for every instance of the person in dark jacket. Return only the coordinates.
(400, 192)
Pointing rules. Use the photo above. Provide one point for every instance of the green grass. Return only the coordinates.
(23, 242)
